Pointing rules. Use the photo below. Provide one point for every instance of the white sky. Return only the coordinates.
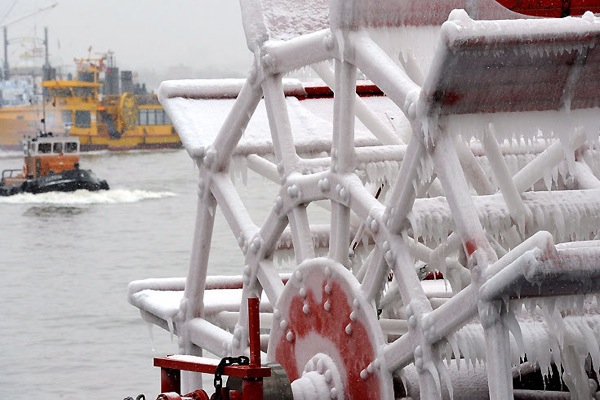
(149, 36)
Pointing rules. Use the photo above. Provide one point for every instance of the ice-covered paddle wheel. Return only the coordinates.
(478, 164)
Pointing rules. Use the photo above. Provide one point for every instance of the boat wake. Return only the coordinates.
(113, 196)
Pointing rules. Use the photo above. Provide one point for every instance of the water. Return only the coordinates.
(67, 330)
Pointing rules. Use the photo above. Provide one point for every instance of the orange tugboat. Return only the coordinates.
(51, 164)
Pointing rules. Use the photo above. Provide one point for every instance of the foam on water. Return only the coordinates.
(115, 196)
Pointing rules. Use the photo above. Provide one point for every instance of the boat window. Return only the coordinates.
(60, 92)
(66, 117)
(44, 148)
(151, 117)
(167, 119)
(83, 119)
(83, 92)
(58, 147)
(143, 117)
(71, 147)
(160, 117)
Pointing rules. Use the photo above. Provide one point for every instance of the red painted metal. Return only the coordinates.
(170, 379)
(169, 396)
(252, 375)
(197, 395)
(329, 323)
(239, 371)
(254, 330)
(551, 8)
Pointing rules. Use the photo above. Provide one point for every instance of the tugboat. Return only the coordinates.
(51, 164)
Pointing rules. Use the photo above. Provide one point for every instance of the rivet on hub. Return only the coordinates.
(289, 336)
(348, 329)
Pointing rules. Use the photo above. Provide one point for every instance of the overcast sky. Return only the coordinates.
(149, 36)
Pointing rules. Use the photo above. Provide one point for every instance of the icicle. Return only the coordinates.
(430, 366)
(445, 377)
(453, 342)
(515, 329)
(171, 327)
(591, 343)
(464, 347)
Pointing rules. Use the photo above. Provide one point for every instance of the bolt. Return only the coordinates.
(348, 329)
(333, 393)
(267, 61)
(364, 374)
(376, 363)
(370, 368)
(320, 367)
(385, 246)
(329, 42)
(293, 191)
(289, 336)
(412, 321)
(343, 194)
(374, 226)
(278, 204)
(324, 185)
(305, 308)
(418, 352)
(389, 256)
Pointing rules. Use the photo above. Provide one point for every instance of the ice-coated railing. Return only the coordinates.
(479, 161)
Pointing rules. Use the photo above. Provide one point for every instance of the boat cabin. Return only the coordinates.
(47, 154)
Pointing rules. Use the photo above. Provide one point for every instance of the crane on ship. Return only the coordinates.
(6, 23)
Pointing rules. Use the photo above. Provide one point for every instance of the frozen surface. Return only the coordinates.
(568, 215)
(198, 121)
(290, 18)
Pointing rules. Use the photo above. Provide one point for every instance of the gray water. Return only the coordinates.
(67, 330)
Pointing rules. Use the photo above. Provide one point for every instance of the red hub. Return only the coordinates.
(322, 311)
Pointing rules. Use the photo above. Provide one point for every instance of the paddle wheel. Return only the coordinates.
(476, 164)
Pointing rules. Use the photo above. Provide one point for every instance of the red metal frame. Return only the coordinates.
(551, 8)
(252, 375)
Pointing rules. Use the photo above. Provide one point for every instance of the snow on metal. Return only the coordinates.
(479, 161)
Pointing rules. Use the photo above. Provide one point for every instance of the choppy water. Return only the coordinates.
(67, 330)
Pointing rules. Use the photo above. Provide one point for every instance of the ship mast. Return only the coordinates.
(5, 74)
(4, 25)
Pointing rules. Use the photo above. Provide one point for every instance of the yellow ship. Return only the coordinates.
(123, 119)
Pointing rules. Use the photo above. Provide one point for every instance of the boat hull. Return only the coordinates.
(66, 181)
